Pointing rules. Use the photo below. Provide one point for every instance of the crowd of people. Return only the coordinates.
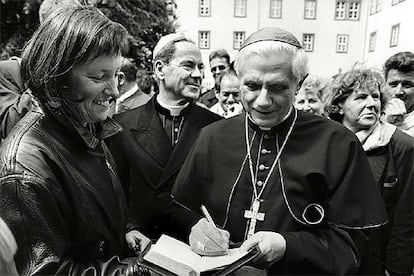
(98, 158)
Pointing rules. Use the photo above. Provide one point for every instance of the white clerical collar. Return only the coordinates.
(269, 128)
(129, 93)
(175, 110)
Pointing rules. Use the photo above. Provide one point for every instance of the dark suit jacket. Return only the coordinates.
(147, 162)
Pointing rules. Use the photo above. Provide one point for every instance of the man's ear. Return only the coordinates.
(121, 78)
(158, 69)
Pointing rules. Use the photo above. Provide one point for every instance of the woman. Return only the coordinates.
(356, 102)
(60, 195)
(309, 96)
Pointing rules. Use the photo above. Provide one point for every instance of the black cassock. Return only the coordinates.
(322, 169)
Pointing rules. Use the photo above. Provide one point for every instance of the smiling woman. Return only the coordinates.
(60, 194)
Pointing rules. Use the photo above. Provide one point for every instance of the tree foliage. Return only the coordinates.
(145, 20)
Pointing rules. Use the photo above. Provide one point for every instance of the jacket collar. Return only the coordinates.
(91, 134)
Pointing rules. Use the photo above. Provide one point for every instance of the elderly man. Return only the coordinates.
(399, 74)
(158, 135)
(219, 63)
(228, 96)
(293, 183)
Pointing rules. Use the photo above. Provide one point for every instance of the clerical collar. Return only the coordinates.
(128, 94)
(281, 125)
(166, 109)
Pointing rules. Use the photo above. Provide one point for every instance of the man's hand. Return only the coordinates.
(272, 246)
(137, 241)
(205, 239)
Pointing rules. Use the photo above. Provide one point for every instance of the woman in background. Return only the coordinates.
(356, 102)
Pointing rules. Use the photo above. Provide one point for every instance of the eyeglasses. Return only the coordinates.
(219, 67)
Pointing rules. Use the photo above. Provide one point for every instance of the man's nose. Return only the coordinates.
(263, 98)
(399, 91)
(230, 99)
(196, 73)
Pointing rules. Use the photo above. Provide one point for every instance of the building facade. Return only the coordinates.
(335, 33)
(389, 30)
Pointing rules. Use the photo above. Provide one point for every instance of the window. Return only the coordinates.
(276, 8)
(238, 40)
(353, 12)
(204, 39)
(376, 6)
(307, 42)
(395, 32)
(347, 9)
(340, 10)
(240, 8)
(372, 41)
(395, 2)
(342, 43)
(205, 8)
(310, 9)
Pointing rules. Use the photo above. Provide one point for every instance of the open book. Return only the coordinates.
(177, 257)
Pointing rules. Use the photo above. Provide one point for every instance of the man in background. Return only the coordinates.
(399, 75)
(131, 95)
(219, 63)
(228, 96)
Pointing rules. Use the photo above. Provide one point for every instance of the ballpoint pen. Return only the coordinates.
(210, 220)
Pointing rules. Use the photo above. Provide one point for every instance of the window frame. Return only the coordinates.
(314, 12)
(358, 12)
(394, 27)
(372, 41)
(270, 8)
(375, 7)
(244, 10)
(347, 10)
(312, 35)
(234, 39)
(203, 6)
(200, 46)
(346, 46)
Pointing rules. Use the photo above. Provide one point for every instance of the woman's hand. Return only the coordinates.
(271, 244)
(206, 239)
(137, 241)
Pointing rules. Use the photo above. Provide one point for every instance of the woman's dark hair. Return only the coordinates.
(68, 37)
(344, 85)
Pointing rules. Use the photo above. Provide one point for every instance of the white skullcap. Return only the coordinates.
(167, 40)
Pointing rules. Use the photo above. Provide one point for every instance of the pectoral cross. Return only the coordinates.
(254, 215)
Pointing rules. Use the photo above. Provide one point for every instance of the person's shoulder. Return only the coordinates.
(321, 124)
(402, 140)
(130, 117)
(26, 140)
(205, 113)
(225, 126)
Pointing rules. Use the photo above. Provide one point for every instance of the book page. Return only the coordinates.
(175, 250)
(209, 263)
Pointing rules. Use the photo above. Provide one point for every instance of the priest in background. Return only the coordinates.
(296, 185)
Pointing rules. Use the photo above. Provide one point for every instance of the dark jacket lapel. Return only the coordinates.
(150, 135)
(378, 160)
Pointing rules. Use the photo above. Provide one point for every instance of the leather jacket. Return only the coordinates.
(61, 198)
